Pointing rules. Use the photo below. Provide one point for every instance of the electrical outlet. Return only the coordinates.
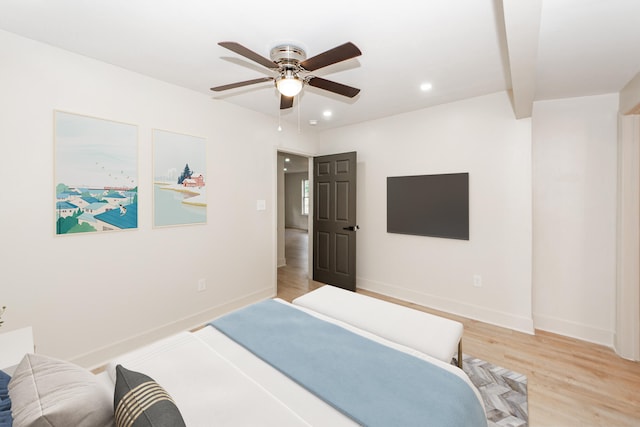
(202, 285)
(477, 280)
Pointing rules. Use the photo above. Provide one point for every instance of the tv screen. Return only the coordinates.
(429, 205)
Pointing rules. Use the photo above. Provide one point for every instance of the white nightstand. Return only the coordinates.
(14, 345)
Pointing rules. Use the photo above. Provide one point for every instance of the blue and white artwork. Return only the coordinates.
(179, 179)
(96, 174)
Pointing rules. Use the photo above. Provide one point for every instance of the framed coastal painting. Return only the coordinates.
(96, 174)
(179, 179)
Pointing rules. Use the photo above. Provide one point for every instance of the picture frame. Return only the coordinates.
(95, 174)
(179, 179)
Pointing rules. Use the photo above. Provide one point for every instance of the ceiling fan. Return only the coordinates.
(291, 68)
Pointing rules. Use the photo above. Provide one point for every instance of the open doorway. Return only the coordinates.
(294, 210)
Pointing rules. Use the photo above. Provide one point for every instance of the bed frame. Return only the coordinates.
(214, 376)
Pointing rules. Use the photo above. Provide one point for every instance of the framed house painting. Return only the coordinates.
(179, 179)
(96, 174)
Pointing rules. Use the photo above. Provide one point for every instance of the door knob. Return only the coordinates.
(351, 228)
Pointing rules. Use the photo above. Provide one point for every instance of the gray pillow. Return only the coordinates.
(47, 392)
(139, 401)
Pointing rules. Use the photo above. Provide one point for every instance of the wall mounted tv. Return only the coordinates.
(429, 205)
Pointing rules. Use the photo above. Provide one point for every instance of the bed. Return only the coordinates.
(269, 364)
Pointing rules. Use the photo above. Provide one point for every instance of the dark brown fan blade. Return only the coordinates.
(286, 102)
(240, 84)
(247, 53)
(332, 56)
(334, 87)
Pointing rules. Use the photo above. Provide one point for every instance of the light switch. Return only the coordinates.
(261, 205)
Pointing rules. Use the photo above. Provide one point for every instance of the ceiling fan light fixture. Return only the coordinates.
(289, 84)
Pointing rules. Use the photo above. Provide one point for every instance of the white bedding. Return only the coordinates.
(215, 381)
(209, 389)
(437, 337)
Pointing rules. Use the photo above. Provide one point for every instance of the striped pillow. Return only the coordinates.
(140, 402)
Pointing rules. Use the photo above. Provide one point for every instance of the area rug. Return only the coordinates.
(504, 392)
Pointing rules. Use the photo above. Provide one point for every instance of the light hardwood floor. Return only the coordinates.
(570, 382)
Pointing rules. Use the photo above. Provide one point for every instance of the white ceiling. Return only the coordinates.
(294, 163)
(543, 49)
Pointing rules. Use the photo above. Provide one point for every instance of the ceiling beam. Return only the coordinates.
(522, 30)
(630, 97)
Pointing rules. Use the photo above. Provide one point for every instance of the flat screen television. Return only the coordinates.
(429, 205)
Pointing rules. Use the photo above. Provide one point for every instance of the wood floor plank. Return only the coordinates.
(570, 382)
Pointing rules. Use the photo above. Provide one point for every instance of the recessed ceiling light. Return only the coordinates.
(327, 113)
(287, 159)
(313, 122)
(285, 169)
(425, 87)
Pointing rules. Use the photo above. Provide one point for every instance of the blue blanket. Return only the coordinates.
(6, 419)
(373, 384)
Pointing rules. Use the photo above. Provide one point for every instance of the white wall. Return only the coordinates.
(479, 136)
(91, 296)
(574, 228)
(293, 201)
(627, 335)
(627, 329)
(281, 254)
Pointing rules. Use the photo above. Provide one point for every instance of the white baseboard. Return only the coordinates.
(574, 330)
(629, 352)
(101, 356)
(483, 314)
(282, 262)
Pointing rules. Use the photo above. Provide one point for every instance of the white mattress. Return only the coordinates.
(215, 381)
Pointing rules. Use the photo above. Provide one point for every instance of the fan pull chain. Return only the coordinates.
(299, 131)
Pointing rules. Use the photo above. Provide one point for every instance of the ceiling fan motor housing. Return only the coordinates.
(288, 55)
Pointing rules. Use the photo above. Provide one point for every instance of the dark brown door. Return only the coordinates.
(334, 220)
